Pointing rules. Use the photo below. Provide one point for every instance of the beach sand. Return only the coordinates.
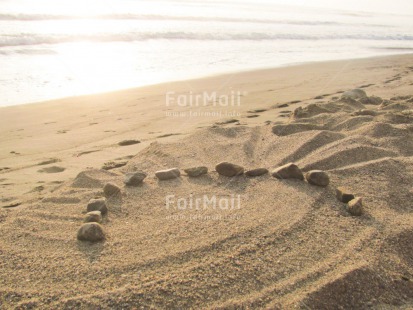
(286, 244)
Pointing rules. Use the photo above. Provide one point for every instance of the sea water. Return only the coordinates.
(52, 49)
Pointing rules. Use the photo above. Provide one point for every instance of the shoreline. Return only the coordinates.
(84, 131)
(217, 75)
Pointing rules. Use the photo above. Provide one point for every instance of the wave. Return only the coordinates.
(28, 51)
(32, 39)
(45, 17)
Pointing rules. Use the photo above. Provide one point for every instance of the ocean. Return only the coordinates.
(58, 49)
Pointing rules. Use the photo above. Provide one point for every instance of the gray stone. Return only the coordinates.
(256, 172)
(97, 205)
(135, 178)
(196, 171)
(355, 94)
(92, 232)
(93, 216)
(355, 206)
(168, 174)
(111, 189)
(317, 177)
(344, 194)
(229, 170)
(288, 171)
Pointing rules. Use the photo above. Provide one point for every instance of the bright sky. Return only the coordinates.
(384, 6)
(99, 6)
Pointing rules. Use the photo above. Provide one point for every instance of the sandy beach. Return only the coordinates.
(284, 244)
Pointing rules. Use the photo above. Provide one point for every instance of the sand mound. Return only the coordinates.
(352, 123)
(311, 110)
(381, 130)
(341, 155)
(288, 129)
(320, 139)
(395, 118)
(92, 178)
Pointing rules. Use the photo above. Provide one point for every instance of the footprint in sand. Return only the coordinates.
(168, 135)
(49, 161)
(128, 142)
(62, 131)
(257, 111)
(366, 85)
(125, 157)
(53, 169)
(109, 165)
(229, 121)
(37, 189)
(85, 153)
(11, 205)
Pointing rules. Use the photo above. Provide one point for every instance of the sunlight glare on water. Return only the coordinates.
(51, 49)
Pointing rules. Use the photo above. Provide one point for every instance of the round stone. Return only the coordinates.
(288, 171)
(168, 174)
(228, 169)
(97, 205)
(93, 216)
(355, 206)
(256, 172)
(196, 171)
(317, 177)
(92, 232)
(111, 189)
(135, 178)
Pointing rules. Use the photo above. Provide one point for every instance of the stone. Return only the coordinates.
(97, 205)
(196, 171)
(288, 171)
(111, 189)
(256, 172)
(93, 216)
(317, 177)
(168, 174)
(355, 206)
(134, 178)
(355, 94)
(229, 170)
(92, 232)
(343, 194)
